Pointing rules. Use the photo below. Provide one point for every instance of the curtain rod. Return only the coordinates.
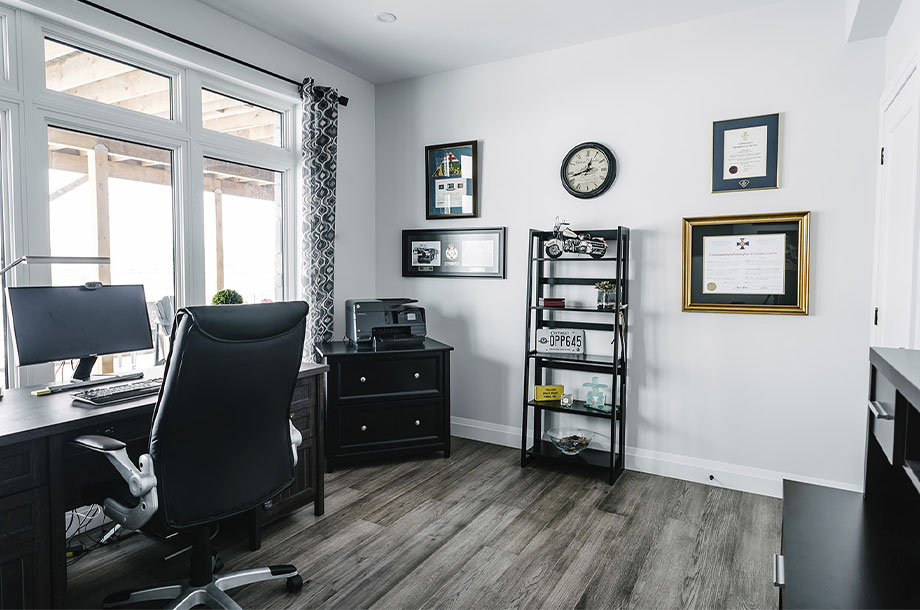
(342, 99)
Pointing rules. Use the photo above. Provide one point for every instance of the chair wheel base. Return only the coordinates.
(295, 583)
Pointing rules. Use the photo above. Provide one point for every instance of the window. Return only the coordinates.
(94, 77)
(112, 198)
(243, 231)
(238, 118)
(179, 206)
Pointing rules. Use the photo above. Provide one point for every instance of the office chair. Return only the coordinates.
(221, 441)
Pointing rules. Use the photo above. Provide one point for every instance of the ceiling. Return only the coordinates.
(430, 37)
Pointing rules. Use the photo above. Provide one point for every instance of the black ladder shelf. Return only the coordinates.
(540, 276)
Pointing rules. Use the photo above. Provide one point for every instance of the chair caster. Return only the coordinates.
(295, 583)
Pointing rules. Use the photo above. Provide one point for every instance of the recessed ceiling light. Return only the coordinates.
(385, 17)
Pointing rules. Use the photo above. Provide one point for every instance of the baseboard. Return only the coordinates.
(724, 474)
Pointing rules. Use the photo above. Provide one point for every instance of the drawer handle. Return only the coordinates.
(418, 423)
(779, 571)
(363, 379)
(416, 375)
(363, 428)
(879, 411)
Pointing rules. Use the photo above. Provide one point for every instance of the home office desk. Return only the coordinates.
(42, 476)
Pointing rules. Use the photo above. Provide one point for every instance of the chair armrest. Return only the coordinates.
(296, 440)
(141, 481)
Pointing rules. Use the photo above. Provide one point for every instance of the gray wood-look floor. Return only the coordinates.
(478, 531)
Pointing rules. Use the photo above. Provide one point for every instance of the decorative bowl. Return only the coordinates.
(570, 441)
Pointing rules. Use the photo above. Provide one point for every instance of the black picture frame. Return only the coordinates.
(746, 179)
(794, 227)
(443, 187)
(446, 252)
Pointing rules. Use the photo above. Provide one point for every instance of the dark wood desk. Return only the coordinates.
(844, 549)
(42, 476)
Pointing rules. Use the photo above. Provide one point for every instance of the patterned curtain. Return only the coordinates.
(320, 152)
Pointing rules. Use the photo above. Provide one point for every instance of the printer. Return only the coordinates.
(384, 322)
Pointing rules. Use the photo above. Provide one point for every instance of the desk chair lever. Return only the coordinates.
(141, 481)
(296, 440)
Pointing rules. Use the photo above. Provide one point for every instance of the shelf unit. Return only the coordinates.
(540, 278)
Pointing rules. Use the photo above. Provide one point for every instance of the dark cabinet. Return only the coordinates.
(383, 402)
(306, 409)
(25, 566)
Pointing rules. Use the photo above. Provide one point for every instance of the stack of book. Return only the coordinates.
(552, 302)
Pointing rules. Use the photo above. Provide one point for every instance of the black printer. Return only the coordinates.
(384, 322)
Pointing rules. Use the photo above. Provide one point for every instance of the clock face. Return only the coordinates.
(588, 170)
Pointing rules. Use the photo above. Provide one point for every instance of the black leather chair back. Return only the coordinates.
(220, 439)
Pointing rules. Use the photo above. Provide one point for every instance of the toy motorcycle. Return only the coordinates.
(566, 240)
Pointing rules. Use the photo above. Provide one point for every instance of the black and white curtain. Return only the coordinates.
(320, 152)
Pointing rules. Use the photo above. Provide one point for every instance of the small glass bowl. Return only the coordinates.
(570, 441)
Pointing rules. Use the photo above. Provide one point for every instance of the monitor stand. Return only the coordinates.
(82, 377)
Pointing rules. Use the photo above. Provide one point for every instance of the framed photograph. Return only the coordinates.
(745, 154)
(756, 263)
(451, 185)
(453, 252)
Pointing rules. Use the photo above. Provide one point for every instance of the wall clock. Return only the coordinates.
(588, 170)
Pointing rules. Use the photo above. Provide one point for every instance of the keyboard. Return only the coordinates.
(112, 394)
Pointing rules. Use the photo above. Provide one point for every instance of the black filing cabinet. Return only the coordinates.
(386, 401)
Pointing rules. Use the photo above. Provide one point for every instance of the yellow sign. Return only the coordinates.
(547, 392)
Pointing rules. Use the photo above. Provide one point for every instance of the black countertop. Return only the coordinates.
(343, 348)
(24, 417)
(843, 550)
(901, 367)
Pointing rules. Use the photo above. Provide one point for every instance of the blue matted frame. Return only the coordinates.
(748, 183)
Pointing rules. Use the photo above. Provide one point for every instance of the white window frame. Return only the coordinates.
(27, 108)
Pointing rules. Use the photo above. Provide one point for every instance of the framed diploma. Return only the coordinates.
(754, 263)
(745, 154)
(453, 252)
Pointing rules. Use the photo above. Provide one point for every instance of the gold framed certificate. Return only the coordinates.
(756, 263)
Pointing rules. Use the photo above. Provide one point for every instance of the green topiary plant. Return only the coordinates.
(227, 297)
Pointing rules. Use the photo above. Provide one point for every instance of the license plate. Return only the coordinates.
(552, 340)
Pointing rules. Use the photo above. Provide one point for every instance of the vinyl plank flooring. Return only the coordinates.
(478, 531)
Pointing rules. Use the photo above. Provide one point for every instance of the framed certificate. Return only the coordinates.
(754, 263)
(453, 252)
(745, 154)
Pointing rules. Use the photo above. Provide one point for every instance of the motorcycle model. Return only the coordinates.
(566, 240)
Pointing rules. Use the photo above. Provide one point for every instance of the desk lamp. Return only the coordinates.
(30, 259)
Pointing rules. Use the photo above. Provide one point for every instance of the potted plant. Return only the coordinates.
(606, 294)
(227, 297)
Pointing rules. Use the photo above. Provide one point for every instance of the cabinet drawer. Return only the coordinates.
(23, 516)
(23, 466)
(881, 414)
(406, 423)
(370, 377)
(25, 575)
(304, 393)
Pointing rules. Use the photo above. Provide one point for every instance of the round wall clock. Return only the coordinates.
(588, 170)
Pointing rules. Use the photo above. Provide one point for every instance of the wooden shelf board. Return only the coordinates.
(578, 408)
(569, 259)
(596, 458)
(602, 359)
(585, 309)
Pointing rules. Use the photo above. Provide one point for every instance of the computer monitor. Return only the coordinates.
(53, 323)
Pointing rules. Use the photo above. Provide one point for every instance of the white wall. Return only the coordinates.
(749, 398)
(903, 39)
(354, 276)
